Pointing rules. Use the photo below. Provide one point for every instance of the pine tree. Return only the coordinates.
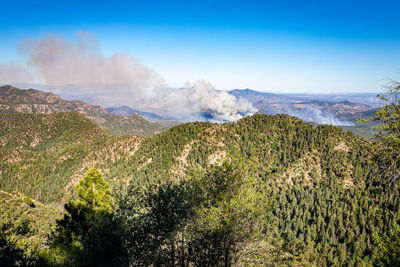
(89, 234)
(93, 192)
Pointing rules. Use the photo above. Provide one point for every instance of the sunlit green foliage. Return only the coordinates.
(387, 161)
(202, 221)
(88, 234)
(230, 217)
(42, 152)
(388, 117)
(27, 225)
(389, 248)
(93, 192)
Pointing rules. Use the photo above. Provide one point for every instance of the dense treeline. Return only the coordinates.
(40, 153)
(197, 222)
(43, 153)
(265, 190)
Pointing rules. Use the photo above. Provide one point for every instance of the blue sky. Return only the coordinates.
(276, 46)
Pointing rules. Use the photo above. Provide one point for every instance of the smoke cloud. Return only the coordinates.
(79, 69)
(311, 114)
(306, 113)
(14, 72)
(202, 101)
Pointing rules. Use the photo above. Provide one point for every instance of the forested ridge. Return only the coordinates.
(15, 101)
(266, 190)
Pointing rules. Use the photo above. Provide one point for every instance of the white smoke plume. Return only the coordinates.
(79, 69)
(202, 100)
(311, 114)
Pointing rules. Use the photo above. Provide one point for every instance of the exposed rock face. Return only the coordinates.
(14, 100)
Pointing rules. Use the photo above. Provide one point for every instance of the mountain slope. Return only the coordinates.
(255, 96)
(14, 100)
(326, 202)
(27, 221)
(127, 111)
(40, 154)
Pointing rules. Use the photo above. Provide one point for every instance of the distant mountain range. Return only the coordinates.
(256, 96)
(268, 102)
(369, 99)
(341, 110)
(320, 110)
(14, 100)
(128, 111)
(253, 96)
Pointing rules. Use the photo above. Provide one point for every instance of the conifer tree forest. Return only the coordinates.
(268, 190)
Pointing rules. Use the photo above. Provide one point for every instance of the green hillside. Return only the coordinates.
(27, 222)
(325, 203)
(41, 154)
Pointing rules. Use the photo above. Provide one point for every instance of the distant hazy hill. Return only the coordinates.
(323, 109)
(14, 100)
(370, 99)
(339, 109)
(255, 96)
(128, 111)
(275, 103)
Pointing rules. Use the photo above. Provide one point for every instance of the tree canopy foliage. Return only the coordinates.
(266, 190)
(87, 235)
(387, 160)
(388, 118)
(93, 192)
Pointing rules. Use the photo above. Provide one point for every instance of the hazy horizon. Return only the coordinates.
(180, 58)
(285, 47)
(48, 88)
